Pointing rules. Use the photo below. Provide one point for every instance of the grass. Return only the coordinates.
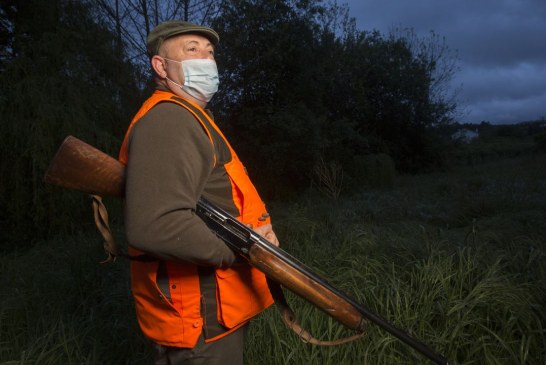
(456, 259)
(60, 306)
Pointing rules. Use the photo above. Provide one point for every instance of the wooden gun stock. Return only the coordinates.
(79, 166)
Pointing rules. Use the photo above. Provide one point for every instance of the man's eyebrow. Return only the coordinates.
(193, 41)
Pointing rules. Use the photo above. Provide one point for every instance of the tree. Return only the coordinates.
(132, 20)
(440, 64)
(269, 99)
(61, 77)
(389, 92)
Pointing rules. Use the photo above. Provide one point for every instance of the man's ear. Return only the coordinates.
(159, 66)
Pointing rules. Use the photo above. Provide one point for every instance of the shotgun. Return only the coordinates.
(79, 166)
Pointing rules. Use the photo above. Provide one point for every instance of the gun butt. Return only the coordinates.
(80, 166)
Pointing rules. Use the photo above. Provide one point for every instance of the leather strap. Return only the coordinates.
(289, 319)
(101, 221)
(110, 246)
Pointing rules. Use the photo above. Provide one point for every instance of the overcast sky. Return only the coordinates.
(500, 44)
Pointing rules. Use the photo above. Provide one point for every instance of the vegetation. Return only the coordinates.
(455, 258)
(53, 87)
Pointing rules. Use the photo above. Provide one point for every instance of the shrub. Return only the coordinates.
(540, 141)
(373, 170)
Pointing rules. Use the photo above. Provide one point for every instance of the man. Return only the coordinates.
(194, 297)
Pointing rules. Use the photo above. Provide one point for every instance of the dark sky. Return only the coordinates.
(501, 46)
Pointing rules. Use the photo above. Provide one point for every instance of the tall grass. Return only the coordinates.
(60, 306)
(455, 259)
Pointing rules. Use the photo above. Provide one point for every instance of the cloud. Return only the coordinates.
(499, 111)
(503, 94)
(517, 82)
(499, 43)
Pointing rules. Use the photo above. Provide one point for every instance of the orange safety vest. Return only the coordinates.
(242, 291)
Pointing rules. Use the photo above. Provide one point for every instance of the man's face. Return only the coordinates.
(184, 47)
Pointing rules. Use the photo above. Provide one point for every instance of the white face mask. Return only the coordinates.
(200, 78)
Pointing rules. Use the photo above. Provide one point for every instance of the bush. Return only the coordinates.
(374, 171)
(540, 141)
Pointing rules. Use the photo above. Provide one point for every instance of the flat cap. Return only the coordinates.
(176, 27)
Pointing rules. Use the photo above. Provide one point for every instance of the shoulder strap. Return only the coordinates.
(110, 246)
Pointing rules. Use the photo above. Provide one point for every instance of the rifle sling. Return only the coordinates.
(287, 315)
(110, 246)
(289, 319)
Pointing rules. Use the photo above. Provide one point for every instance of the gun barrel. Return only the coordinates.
(299, 278)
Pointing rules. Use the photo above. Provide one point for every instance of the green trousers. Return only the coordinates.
(225, 351)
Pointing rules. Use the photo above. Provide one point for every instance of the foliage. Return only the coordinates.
(457, 259)
(132, 20)
(492, 149)
(540, 141)
(58, 80)
(328, 178)
(403, 105)
(345, 93)
(376, 171)
(67, 309)
(264, 101)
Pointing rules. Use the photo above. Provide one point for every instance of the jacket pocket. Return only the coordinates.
(242, 293)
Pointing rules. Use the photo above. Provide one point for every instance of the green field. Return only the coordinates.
(457, 259)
